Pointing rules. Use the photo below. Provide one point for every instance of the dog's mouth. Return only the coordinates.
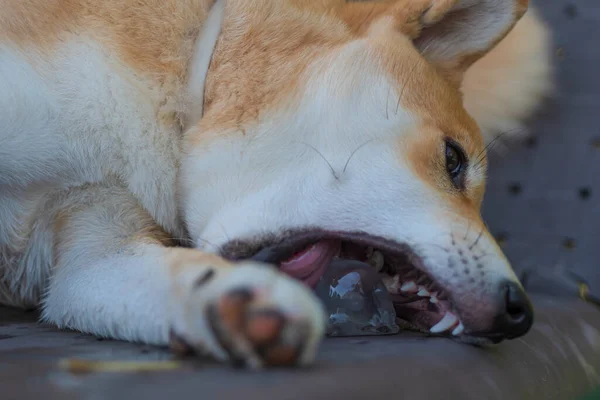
(420, 303)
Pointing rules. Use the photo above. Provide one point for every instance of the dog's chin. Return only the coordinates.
(420, 303)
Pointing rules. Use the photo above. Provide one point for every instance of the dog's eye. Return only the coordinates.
(455, 164)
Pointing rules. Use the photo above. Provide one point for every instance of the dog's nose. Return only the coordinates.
(515, 315)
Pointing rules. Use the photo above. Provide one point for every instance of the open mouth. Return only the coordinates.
(420, 303)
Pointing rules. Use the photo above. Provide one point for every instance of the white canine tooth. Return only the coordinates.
(409, 287)
(433, 299)
(369, 252)
(445, 323)
(378, 260)
(423, 292)
(459, 329)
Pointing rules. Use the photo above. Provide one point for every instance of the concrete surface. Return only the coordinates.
(559, 359)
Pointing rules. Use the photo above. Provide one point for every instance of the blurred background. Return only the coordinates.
(543, 198)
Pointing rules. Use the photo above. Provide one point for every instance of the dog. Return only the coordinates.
(151, 151)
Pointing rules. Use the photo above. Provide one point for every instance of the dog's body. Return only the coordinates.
(118, 143)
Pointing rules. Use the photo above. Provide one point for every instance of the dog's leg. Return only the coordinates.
(115, 277)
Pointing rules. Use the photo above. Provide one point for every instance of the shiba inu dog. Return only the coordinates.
(151, 149)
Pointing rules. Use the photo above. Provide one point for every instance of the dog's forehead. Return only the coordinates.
(387, 83)
(387, 73)
(423, 90)
(343, 87)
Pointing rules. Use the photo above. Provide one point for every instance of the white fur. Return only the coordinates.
(73, 120)
(109, 311)
(80, 117)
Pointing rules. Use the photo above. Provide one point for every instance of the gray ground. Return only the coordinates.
(543, 200)
(541, 203)
(559, 359)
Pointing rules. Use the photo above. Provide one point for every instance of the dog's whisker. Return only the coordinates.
(182, 240)
(468, 231)
(483, 153)
(354, 152)
(333, 172)
(483, 255)
(447, 250)
(219, 248)
(209, 243)
(387, 103)
(477, 240)
(409, 77)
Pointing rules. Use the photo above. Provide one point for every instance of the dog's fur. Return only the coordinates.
(117, 145)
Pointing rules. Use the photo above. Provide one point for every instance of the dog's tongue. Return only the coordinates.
(309, 264)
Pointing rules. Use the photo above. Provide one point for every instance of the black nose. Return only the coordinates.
(515, 316)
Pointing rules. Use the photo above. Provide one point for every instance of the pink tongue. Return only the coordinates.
(309, 264)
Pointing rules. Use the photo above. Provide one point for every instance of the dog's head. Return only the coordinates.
(338, 127)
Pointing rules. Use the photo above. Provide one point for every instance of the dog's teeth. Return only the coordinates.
(459, 329)
(423, 292)
(445, 323)
(409, 287)
(369, 252)
(433, 299)
(378, 260)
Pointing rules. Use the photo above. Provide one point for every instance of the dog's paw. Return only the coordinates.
(248, 314)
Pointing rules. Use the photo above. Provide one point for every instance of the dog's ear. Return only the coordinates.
(467, 31)
(451, 34)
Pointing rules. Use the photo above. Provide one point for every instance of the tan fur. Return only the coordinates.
(406, 16)
(180, 259)
(138, 31)
(261, 58)
(86, 205)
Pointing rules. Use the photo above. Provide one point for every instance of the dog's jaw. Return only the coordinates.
(444, 291)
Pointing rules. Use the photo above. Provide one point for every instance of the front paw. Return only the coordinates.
(251, 315)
